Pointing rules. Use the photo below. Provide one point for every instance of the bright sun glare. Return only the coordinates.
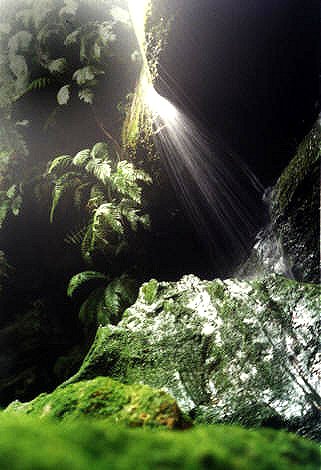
(159, 105)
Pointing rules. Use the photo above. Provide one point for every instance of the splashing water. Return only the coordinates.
(212, 194)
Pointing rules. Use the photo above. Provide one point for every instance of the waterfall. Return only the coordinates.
(210, 182)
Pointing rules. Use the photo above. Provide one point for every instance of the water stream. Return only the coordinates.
(211, 184)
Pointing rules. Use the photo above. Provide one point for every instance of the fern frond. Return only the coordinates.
(131, 214)
(98, 193)
(124, 181)
(81, 158)
(100, 151)
(100, 169)
(63, 184)
(76, 236)
(144, 220)
(59, 164)
(112, 299)
(81, 194)
(119, 295)
(81, 278)
(39, 83)
(107, 215)
(87, 244)
(88, 312)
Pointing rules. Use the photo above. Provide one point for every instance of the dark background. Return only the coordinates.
(249, 69)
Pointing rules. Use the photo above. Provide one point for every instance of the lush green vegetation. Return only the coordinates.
(109, 400)
(82, 445)
(68, 72)
(106, 303)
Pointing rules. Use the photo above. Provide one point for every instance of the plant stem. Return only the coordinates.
(118, 147)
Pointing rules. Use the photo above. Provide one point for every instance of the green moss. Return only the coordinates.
(149, 291)
(295, 209)
(104, 398)
(27, 444)
(305, 163)
(197, 333)
(216, 290)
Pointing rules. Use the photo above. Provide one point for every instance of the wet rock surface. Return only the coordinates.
(290, 244)
(227, 351)
(295, 209)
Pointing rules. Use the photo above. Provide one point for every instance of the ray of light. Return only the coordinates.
(211, 193)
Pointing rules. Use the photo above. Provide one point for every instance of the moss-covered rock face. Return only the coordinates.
(295, 209)
(228, 351)
(24, 444)
(104, 398)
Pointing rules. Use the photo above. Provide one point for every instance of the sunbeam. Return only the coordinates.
(210, 192)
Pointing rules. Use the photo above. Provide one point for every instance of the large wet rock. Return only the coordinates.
(295, 209)
(228, 351)
(290, 244)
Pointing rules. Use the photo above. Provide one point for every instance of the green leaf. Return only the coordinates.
(119, 295)
(85, 74)
(39, 83)
(72, 38)
(60, 164)
(86, 95)
(101, 170)
(81, 158)
(70, 8)
(16, 205)
(107, 215)
(65, 183)
(100, 150)
(12, 191)
(57, 65)
(88, 312)
(81, 278)
(97, 51)
(63, 95)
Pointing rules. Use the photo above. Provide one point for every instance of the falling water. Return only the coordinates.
(211, 192)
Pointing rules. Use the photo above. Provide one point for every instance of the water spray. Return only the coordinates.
(210, 191)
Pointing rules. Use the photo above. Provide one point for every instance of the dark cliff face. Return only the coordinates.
(249, 70)
(295, 209)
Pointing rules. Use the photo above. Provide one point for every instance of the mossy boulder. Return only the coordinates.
(26, 443)
(295, 209)
(228, 351)
(107, 399)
